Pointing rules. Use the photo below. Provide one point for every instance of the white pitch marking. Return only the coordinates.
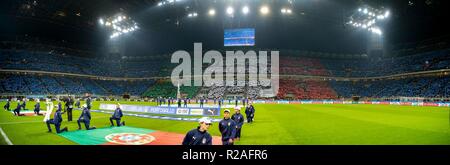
(5, 137)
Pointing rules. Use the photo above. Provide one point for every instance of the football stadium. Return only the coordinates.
(224, 72)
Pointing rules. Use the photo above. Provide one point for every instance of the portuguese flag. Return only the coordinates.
(126, 135)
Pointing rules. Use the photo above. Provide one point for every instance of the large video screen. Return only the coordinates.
(239, 37)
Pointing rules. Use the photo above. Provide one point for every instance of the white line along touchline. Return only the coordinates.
(5, 137)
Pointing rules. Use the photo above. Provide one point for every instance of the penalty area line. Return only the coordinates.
(5, 137)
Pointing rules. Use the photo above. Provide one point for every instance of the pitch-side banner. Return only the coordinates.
(204, 106)
(441, 104)
(194, 111)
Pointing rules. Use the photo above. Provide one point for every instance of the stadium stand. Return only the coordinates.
(40, 85)
(309, 89)
(51, 62)
(302, 66)
(388, 66)
(293, 64)
(410, 87)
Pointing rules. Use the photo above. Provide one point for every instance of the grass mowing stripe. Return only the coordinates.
(424, 123)
(421, 125)
(396, 109)
(321, 128)
(266, 129)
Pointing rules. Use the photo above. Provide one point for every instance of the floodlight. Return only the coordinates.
(100, 21)
(230, 10)
(386, 14)
(245, 10)
(289, 11)
(212, 12)
(264, 10)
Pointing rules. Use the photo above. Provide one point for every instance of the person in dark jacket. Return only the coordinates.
(168, 101)
(249, 112)
(239, 119)
(59, 106)
(88, 102)
(57, 119)
(69, 108)
(85, 117)
(201, 102)
(252, 113)
(37, 107)
(18, 108)
(77, 104)
(227, 128)
(200, 135)
(117, 116)
(7, 105)
(220, 102)
(24, 103)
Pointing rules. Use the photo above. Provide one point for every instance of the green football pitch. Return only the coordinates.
(274, 124)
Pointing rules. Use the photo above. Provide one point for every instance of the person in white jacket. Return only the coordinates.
(49, 104)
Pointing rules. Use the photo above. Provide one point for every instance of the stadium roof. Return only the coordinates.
(317, 25)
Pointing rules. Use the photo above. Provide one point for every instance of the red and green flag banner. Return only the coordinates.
(126, 136)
